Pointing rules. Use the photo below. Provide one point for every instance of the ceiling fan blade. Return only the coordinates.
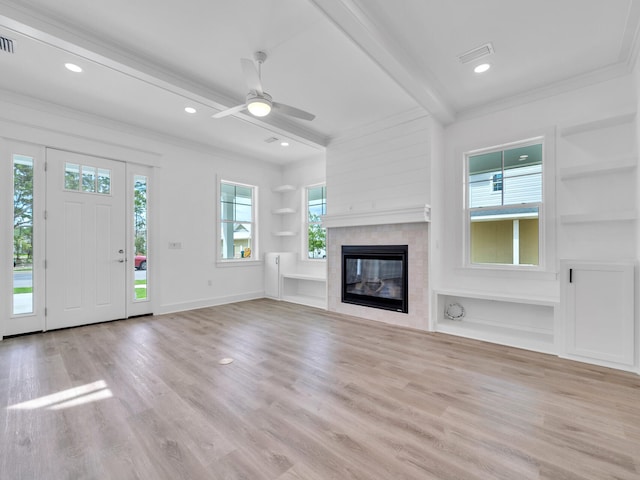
(229, 111)
(251, 75)
(293, 111)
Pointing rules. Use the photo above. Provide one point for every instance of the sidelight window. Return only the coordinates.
(22, 234)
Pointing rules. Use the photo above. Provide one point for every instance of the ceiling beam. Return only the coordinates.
(65, 37)
(391, 58)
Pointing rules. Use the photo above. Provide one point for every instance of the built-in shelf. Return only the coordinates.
(623, 165)
(617, 216)
(284, 188)
(285, 234)
(520, 321)
(304, 289)
(283, 211)
(606, 122)
(500, 297)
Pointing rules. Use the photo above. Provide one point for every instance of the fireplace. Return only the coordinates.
(376, 276)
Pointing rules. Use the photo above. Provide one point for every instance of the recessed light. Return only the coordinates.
(284, 144)
(483, 67)
(73, 67)
(190, 110)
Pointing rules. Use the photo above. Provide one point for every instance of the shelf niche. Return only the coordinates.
(521, 322)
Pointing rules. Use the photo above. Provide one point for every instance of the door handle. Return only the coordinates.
(121, 260)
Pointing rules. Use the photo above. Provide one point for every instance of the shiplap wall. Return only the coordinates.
(385, 169)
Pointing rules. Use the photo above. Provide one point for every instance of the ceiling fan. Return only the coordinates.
(259, 103)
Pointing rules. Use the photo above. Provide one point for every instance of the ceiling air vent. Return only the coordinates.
(476, 53)
(6, 45)
(271, 140)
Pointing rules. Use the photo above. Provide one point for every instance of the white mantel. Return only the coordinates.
(415, 214)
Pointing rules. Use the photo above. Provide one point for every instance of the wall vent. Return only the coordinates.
(476, 53)
(7, 45)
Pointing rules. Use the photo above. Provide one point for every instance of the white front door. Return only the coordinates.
(86, 240)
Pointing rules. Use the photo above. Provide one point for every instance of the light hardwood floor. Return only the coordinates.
(310, 396)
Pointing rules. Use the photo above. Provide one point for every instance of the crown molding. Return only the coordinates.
(597, 76)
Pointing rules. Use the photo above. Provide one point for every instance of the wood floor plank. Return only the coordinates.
(310, 395)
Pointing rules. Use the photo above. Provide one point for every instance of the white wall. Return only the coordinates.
(387, 168)
(186, 208)
(183, 193)
(524, 121)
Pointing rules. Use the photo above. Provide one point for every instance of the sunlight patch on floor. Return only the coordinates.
(91, 392)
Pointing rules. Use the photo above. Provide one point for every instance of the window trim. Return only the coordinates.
(305, 223)
(255, 256)
(546, 243)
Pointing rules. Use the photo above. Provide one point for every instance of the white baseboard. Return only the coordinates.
(207, 302)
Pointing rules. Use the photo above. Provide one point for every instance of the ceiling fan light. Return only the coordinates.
(259, 107)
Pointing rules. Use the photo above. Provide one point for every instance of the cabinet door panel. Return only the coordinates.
(599, 309)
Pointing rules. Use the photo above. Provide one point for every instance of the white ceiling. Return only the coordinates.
(353, 63)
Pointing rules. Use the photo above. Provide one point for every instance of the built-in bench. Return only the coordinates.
(304, 289)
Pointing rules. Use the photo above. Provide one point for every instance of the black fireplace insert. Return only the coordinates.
(376, 276)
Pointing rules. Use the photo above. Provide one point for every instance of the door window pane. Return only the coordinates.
(71, 176)
(22, 234)
(104, 181)
(88, 179)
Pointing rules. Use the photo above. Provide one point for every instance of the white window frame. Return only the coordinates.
(546, 239)
(306, 223)
(255, 256)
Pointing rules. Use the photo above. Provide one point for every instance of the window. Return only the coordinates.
(140, 236)
(22, 234)
(83, 178)
(504, 191)
(316, 206)
(237, 224)
(497, 182)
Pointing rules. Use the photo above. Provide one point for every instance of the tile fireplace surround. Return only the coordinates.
(415, 235)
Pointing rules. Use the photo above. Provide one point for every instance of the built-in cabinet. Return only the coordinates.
(598, 311)
(275, 265)
(283, 282)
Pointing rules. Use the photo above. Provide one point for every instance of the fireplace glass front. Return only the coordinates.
(375, 276)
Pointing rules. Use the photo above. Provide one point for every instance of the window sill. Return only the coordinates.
(239, 263)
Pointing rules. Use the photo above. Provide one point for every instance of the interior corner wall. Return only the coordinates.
(183, 191)
(587, 104)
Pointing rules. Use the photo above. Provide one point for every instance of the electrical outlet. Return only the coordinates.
(175, 245)
(210, 283)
